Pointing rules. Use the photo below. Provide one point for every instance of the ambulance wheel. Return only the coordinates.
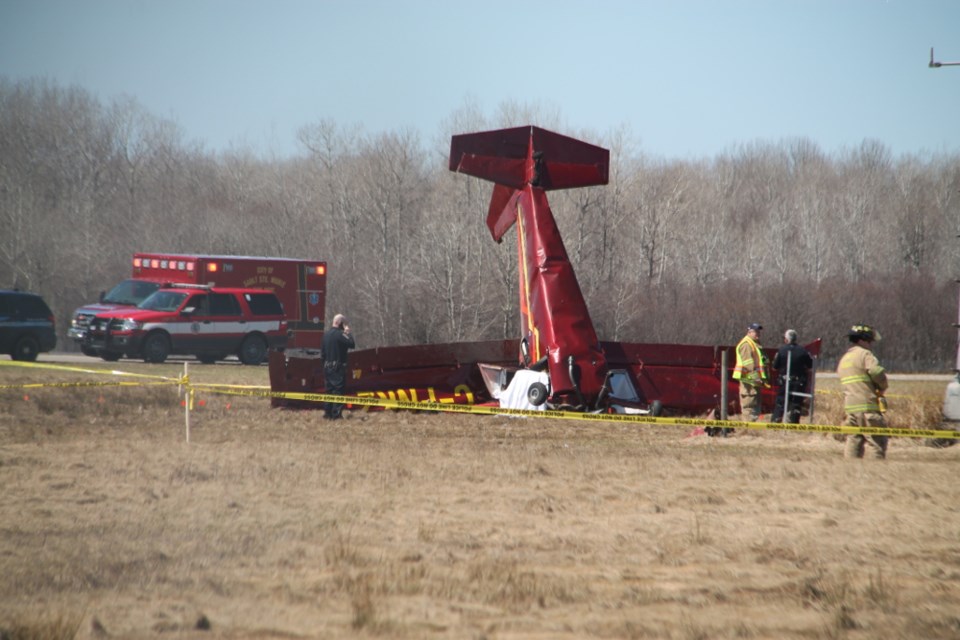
(110, 356)
(253, 350)
(156, 348)
(537, 394)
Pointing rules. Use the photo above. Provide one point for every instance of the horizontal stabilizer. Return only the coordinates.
(529, 155)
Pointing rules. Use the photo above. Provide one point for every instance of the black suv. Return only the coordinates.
(27, 326)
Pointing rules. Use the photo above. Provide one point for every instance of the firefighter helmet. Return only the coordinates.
(863, 332)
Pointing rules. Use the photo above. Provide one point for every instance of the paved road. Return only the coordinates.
(919, 377)
(79, 358)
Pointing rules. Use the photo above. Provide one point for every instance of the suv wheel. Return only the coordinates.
(156, 348)
(253, 350)
(26, 349)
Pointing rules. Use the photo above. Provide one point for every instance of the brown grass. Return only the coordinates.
(277, 524)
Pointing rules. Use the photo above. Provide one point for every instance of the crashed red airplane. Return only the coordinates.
(557, 360)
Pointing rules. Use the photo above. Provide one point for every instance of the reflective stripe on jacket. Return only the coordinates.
(861, 377)
(751, 364)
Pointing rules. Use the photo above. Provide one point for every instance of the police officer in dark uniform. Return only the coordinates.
(337, 341)
(792, 364)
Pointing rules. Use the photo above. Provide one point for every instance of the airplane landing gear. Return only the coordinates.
(537, 394)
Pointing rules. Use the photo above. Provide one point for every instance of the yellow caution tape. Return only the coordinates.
(388, 403)
(213, 385)
(40, 385)
(60, 367)
(621, 418)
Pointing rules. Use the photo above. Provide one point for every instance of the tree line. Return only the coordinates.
(670, 251)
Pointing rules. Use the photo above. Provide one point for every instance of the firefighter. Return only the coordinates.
(751, 371)
(864, 383)
(792, 364)
(337, 341)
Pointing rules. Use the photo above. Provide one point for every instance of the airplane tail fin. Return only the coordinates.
(514, 158)
(525, 163)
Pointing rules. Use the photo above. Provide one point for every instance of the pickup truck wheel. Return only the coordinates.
(156, 348)
(26, 349)
(252, 350)
(110, 356)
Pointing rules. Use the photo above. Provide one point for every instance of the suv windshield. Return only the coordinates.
(131, 292)
(163, 301)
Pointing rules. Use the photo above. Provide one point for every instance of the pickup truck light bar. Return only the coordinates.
(188, 285)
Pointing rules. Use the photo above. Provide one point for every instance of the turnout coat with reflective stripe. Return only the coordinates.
(861, 377)
(751, 364)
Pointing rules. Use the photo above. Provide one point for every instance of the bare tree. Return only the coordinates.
(392, 184)
(864, 173)
(775, 231)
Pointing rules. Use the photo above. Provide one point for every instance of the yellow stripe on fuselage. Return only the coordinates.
(525, 290)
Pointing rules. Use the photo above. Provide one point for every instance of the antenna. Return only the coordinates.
(936, 65)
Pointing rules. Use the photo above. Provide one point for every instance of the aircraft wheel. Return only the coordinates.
(656, 408)
(537, 394)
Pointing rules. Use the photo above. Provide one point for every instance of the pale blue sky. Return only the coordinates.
(689, 78)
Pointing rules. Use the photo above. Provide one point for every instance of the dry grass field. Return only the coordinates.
(278, 524)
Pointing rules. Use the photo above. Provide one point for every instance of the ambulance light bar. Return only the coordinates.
(157, 263)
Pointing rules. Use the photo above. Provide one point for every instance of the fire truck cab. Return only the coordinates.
(300, 285)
